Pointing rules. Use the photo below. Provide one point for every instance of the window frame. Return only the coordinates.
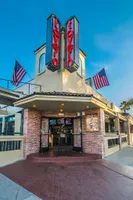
(80, 74)
(40, 72)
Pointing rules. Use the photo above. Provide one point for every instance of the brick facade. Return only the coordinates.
(92, 142)
(32, 120)
(77, 131)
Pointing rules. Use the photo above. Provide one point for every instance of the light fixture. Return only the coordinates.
(61, 110)
(33, 106)
(62, 104)
(61, 114)
(78, 113)
(83, 113)
(87, 106)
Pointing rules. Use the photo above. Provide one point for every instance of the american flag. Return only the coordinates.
(100, 79)
(18, 74)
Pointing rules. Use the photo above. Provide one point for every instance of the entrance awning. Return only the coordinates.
(51, 101)
(8, 97)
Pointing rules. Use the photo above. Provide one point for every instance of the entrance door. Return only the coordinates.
(61, 130)
(77, 135)
(44, 135)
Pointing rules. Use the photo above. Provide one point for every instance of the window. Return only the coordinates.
(42, 66)
(80, 67)
(9, 125)
(113, 142)
(1, 119)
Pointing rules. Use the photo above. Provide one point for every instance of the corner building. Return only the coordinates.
(61, 111)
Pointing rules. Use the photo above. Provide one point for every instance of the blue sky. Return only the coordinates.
(106, 36)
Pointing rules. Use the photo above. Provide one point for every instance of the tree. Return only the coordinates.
(130, 102)
(125, 105)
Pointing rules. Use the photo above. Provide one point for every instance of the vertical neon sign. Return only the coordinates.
(72, 45)
(53, 43)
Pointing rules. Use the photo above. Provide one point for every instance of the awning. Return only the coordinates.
(51, 102)
(8, 97)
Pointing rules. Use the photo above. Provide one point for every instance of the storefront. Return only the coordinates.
(60, 134)
(66, 113)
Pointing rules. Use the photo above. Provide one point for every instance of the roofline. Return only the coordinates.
(52, 94)
(82, 52)
(43, 45)
(70, 95)
(89, 98)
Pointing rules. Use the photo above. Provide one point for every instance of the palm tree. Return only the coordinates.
(125, 105)
(130, 102)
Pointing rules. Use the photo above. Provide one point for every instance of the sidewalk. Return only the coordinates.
(124, 157)
(9, 190)
(93, 180)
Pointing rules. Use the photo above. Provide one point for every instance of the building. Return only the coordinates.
(60, 109)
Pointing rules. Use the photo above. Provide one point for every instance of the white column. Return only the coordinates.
(3, 125)
(62, 51)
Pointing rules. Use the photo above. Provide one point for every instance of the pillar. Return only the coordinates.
(3, 125)
(93, 141)
(128, 131)
(17, 123)
(117, 125)
(117, 128)
(31, 129)
(109, 128)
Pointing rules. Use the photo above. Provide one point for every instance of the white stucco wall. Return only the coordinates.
(50, 81)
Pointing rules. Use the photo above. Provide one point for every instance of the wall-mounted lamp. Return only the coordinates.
(34, 106)
(78, 113)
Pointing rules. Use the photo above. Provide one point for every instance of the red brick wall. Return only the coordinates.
(93, 142)
(77, 130)
(32, 120)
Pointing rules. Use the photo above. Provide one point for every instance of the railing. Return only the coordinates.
(124, 140)
(11, 149)
(24, 88)
(11, 134)
(110, 134)
(10, 145)
(112, 144)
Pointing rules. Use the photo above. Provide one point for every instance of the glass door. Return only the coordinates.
(77, 135)
(44, 135)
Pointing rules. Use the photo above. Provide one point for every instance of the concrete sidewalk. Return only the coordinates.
(9, 190)
(124, 157)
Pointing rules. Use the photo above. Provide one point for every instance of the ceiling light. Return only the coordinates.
(78, 113)
(61, 114)
(83, 113)
(33, 106)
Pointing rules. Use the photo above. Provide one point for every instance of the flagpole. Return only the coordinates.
(29, 74)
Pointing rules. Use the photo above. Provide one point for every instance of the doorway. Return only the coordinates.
(61, 134)
(61, 130)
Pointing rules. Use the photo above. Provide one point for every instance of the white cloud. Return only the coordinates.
(119, 45)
